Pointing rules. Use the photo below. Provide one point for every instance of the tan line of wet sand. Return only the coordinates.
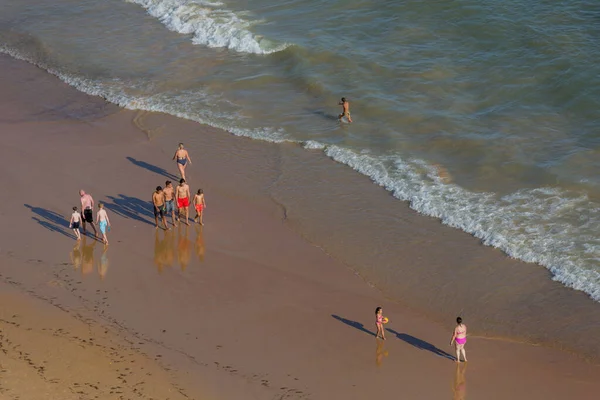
(243, 308)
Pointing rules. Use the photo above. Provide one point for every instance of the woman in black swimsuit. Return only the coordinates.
(182, 158)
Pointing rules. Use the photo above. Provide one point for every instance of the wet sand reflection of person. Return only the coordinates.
(460, 382)
(199, 245)
(380, 353)
(183, 247)
(103, 263)
(76, 256)
(163, 250)
(87, 251)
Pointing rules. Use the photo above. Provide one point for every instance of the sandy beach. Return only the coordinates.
(242, 308)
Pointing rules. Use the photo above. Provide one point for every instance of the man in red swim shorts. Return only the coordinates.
(182, 195)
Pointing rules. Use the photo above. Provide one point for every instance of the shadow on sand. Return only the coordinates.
(153, 168)
(131, 207)
(50, 220)
(354, 324)
(421, 344)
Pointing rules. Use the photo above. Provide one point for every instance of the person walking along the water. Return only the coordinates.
(199, 205)
(74, 223)
(158, 201)
(182, 158)
(103, 222)
(459, 338)
(182, 195)
(87, 213)
(170, 201)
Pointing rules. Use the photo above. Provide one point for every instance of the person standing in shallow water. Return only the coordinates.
(182, 158)
(345, 109)
(459, 338)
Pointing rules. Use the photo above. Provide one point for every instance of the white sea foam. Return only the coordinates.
(210, 24)
(534, 225)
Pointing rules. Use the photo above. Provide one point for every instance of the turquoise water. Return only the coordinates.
(480, 113)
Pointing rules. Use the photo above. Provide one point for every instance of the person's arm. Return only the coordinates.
(175, 155)
(188, 156)
(153, 200)
(107, 219)
(71, 221)
(453, 337)
(204, 201)
(177, 195)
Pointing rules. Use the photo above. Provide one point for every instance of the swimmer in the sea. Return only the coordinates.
(345, 109)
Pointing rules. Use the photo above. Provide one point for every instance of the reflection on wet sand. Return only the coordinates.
(87, 252)
(199, 246)
(103, 263)
(184, 252)
(380, 352)
(164, 249)
(76, 256)
(460, 382)
(82, 256)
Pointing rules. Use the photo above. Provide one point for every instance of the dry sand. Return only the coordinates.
(243, 308)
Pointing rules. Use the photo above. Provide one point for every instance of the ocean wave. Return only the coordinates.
(210, 24)
(533, 225)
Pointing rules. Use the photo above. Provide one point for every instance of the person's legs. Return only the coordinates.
(458, 347)
(94, 228)
(76, 232)
(155, 217)
(164, 219)
(181, 170)
(464, 353)
(200, 217)
(187, 215)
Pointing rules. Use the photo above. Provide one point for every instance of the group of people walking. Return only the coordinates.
(176, 201)
(168, 201)
(86, 215)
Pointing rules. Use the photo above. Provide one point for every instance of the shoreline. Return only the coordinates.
(265, 304)
(543, 307)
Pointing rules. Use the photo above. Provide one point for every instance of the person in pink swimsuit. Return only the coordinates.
(459, 338)
(379, 323)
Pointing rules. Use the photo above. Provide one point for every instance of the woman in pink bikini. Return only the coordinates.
(459, 338)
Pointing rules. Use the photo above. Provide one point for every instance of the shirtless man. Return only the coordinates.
(345, 109)
(158, 201)
(87, 207)
(170, 201)
(182, 195)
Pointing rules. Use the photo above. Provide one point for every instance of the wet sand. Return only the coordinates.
(241, 308)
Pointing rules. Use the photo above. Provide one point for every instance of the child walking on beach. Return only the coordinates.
(200, 205)
(379, 323)
(75, 222)
(103, 222)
